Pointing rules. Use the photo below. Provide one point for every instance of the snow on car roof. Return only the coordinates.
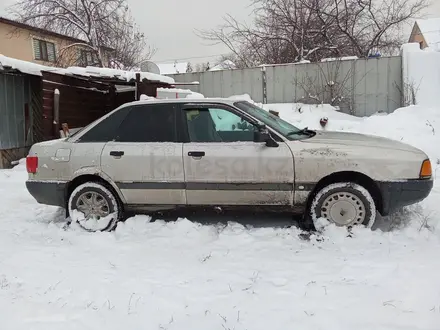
(186, 100)
(36, 69)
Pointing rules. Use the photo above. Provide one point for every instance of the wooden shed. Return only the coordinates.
(36, 100)
(21, 105)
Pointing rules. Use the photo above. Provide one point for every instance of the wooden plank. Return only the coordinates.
(37, 109)
(73, 81)
(47, 103)
(7, 156)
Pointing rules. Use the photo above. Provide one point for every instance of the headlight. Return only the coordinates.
(426, 169)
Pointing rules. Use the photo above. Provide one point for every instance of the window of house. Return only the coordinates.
(44, 50)
(87, 58)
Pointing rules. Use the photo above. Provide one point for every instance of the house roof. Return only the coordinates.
(39, 30)
(225, 65)
(430, 29)
(172, 68)
(91, 72)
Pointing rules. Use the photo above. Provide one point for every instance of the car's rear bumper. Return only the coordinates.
(395, 195)
(48, 192)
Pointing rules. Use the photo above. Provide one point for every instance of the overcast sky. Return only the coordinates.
(173, 23)
(170, 25)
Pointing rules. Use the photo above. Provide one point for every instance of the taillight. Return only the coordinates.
(32, 164)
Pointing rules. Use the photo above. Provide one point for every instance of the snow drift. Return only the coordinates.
(181, 275)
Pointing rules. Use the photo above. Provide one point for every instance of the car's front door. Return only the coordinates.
(145, 158)
(224, 166)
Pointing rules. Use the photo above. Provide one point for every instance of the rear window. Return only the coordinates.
(149, 123)
(106, 130)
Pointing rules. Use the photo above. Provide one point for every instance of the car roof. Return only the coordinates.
(204, 100)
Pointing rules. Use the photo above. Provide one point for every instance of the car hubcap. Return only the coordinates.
(344, 209)
(93, 205)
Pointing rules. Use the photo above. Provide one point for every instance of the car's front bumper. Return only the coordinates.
(48, 192)
(396, 195)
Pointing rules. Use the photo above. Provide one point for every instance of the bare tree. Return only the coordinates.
(283, 31)
(229, 62)
(200, 67)
(373, 25)
(330, 84)
(408, 92)
(106, 27)
(286, 31)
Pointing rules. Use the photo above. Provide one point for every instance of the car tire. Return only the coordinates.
(345, 204)
(95, 207)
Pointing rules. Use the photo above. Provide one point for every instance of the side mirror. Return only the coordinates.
(263, 135)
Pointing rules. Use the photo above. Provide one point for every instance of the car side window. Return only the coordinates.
(149, 123)
(217, 125)
(105, 130)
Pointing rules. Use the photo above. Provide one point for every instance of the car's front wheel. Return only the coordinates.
(94, 207)
(345, 204)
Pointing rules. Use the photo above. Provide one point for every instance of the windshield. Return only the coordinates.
(281, 126)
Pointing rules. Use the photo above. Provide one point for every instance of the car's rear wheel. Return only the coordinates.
(346, 204)
(94, 207)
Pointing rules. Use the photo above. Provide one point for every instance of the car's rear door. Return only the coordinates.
(145, 158)
(224, 166)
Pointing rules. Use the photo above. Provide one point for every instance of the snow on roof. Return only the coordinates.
(174, 90)
(225, 65)
(22, 66)
(430, 29)
(343, 58)
(91, 71)
(124, 88)
(35, 69)
(172, 68)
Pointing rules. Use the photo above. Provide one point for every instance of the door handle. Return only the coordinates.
(196, 153)
(116, 153)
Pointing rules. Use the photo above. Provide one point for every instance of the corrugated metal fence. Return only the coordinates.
(14, 94)
(361, 87)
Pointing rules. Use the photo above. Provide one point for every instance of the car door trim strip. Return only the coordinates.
(245, 186)
(151, 185)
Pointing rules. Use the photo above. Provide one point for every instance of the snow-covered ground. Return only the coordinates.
(185, 275)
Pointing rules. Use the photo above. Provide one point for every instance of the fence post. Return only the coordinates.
(264, 82)
(138, 87)
(56, 112)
